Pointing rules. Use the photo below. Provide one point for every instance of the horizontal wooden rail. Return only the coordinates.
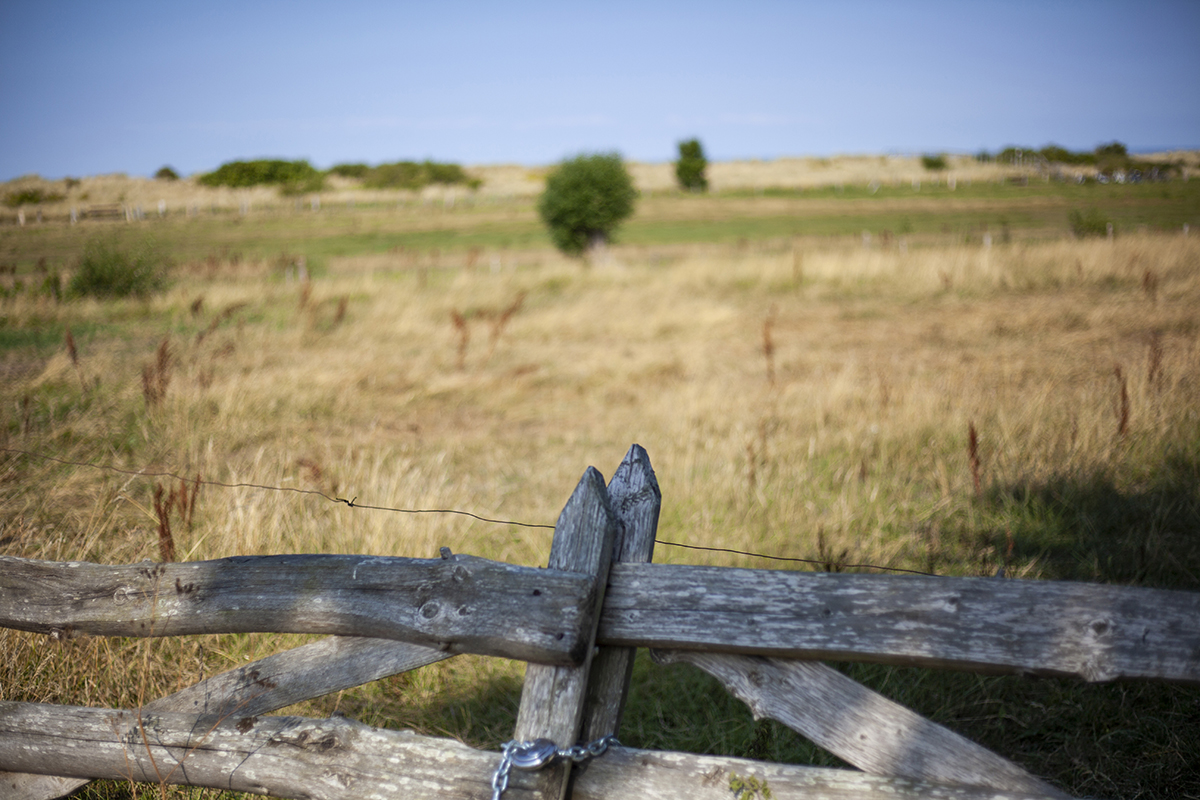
(456, 604)
(338, 759)
(1094, 632)
(312, 670)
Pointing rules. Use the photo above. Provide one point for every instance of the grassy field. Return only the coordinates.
(802, 392)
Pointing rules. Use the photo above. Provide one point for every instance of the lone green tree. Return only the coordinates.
(586, 198)
(689, 169)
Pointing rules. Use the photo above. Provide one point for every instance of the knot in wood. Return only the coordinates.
(309, 737)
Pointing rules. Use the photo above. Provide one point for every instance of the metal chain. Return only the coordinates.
(532, 756)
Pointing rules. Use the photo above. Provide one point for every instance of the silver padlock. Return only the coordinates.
(531, 756)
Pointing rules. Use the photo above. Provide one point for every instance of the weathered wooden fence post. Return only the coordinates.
(636, 500)
(552, 701)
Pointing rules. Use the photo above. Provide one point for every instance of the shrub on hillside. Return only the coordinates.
(933, 162)
(586, 198)
(109, 270)
(350, 170)
(1109, 156)
(1112, 156)
(416, 175)
(1089, 223)
(1061, 155)
(166, 174)
(33, 196)
(291, 176)
(1112, 150)
(690, 168)
(1014, 155)
(444, 173)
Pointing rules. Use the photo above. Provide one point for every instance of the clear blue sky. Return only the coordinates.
(99, 87)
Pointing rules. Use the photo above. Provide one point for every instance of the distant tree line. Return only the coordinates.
(31, 196)
(406, 174)
(1106, 157)
(1056, 154)
(295, 177)
(291, 176)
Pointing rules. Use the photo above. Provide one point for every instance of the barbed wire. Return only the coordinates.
(817, 561)
(353, 503)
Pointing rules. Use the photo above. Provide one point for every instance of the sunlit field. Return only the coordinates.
(804, 392)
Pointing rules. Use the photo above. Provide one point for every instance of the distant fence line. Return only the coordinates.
(61, 213)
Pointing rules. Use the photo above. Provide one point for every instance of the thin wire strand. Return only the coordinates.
(353, 503)
(798, 560)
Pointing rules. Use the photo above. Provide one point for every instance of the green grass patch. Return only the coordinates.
(109, 270)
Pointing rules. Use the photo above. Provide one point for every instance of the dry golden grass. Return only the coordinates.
(352, 386)
(807, 173)
(864, 340)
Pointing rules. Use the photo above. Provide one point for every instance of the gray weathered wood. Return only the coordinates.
(338, 759)
(553, 697)
(636, 500)
(474, 606)
(649, 775)
(860, 726)
(1098, 633)
(302, 673)
(334, 759)
(266, 685)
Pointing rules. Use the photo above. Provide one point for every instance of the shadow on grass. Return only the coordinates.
(473, 699)
(682, 708)
(1133, 739)
(1092, 740)
(1087, 528)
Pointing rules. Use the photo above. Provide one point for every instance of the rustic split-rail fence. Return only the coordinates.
(577, 622)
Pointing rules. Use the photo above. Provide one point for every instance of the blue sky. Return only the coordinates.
(100, 87)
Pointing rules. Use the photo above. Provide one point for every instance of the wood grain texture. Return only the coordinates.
(338, 759)
(473, 606)
(552, 699)
(1094, 632)
(636, 500)
(860, 726)
(266, 685)
(625, 773)
(333, 759)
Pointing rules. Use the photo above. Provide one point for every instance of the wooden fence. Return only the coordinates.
(577, 622)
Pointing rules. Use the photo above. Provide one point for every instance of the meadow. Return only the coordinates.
(807, 366)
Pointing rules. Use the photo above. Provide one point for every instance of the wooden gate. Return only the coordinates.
(577, 623)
